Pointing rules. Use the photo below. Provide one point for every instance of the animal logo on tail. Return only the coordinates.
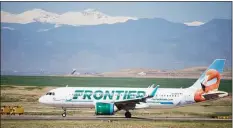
(210, 83)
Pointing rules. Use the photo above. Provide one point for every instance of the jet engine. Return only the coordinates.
(104, 108)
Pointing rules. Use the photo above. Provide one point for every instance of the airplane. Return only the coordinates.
(142, 73)
(109, 100)
(72, 73)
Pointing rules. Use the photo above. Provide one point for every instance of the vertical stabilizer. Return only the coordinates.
(211, 76)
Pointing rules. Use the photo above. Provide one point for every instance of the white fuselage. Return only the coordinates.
(78, 97)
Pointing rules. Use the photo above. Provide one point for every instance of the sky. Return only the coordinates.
(172, 11)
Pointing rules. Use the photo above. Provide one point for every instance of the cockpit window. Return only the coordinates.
(50, 93)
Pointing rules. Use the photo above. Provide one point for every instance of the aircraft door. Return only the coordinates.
(69, 97)
(59, 97)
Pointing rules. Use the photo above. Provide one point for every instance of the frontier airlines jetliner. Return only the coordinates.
(109, 100)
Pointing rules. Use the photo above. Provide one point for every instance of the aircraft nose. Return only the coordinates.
(41, 99)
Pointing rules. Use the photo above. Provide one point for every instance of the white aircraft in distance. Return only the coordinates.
(142, 73)
(109, 100)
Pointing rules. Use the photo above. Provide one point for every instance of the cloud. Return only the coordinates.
(43, 30)
(9, 28)
(194, 23)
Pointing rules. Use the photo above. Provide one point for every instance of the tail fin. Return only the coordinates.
(211, 77)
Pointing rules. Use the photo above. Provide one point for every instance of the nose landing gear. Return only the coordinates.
(64, 114)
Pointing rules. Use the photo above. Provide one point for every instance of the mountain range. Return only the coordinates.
(86, 17)
(48, 46)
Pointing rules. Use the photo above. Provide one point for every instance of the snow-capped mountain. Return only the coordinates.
(86, 17)
(194, 23)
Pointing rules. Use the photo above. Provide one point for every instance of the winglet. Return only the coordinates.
(154, 91)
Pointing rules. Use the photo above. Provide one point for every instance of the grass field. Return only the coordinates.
(226, 85)
(114, 124)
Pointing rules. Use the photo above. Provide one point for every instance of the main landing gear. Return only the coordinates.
(127, 114)
(64, 114)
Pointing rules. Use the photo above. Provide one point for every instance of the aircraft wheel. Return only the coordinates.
(127, 114)
(63, 114)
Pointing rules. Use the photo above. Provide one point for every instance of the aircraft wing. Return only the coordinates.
(131, 103)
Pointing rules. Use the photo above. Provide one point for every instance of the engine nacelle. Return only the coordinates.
(104, 108)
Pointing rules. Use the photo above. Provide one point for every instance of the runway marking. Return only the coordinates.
(111, 118)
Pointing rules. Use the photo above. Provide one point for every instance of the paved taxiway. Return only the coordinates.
(110, 118)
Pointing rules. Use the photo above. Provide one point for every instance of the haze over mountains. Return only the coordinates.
(52, 44)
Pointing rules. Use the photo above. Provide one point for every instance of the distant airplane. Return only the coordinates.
(109, 100)
(142, 73)
(72, 73)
